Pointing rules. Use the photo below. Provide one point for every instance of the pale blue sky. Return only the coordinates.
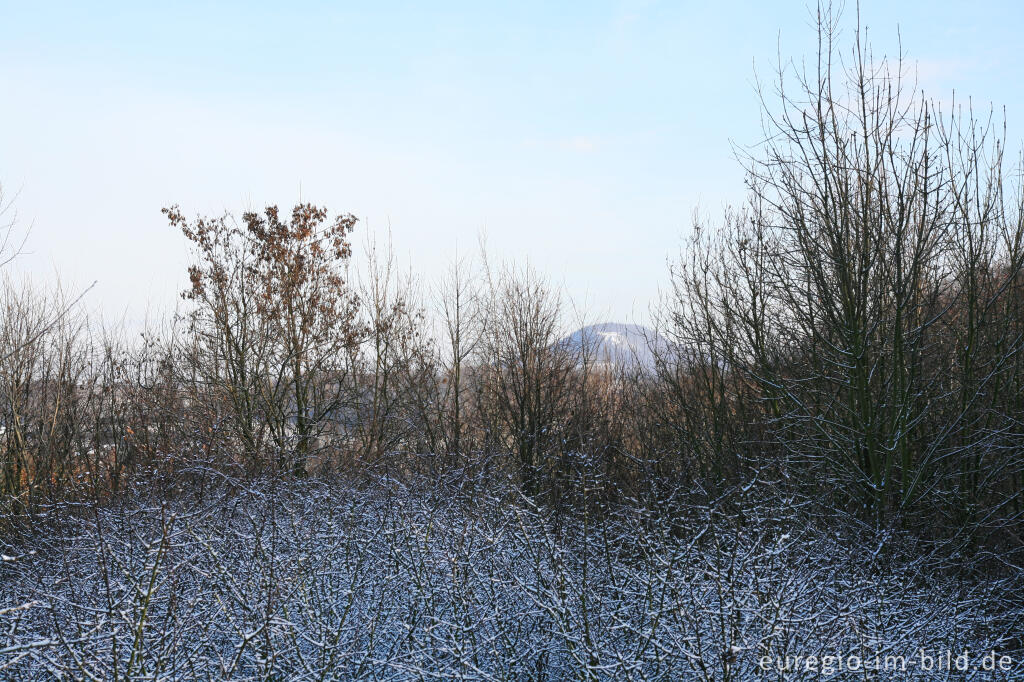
(580, 135)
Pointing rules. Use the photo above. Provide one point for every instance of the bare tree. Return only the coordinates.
(526, 372)
(858, 291)
(10, 242)
(459, 305)
(396, 362)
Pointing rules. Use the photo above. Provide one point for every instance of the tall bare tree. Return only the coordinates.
(864, 286)
(526, 375)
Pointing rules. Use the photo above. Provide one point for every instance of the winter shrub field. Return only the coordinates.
(809, 466)
(314, 580)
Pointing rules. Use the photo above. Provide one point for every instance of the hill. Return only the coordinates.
(618, 344)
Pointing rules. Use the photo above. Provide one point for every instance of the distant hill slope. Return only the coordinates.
(617, 344)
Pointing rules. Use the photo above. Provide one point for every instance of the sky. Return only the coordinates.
(580, 136)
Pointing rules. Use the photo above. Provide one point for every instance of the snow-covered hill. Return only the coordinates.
(617, 344)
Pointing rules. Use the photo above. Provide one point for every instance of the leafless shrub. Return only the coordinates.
(309, 581)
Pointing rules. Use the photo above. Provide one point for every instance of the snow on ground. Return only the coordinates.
(325, 581)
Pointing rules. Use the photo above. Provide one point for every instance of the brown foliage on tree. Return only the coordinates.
(274, 323)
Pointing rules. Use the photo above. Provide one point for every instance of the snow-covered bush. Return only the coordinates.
(317, 580)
